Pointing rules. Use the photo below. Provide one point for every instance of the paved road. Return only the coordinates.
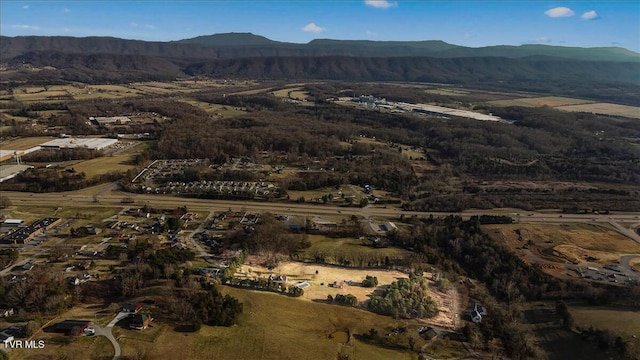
(626, 259)
(194, 242)
(115, 197)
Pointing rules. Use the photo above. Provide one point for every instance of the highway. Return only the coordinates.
(113, 198)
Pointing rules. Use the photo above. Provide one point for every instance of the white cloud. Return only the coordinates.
(559, 12)
(371, 33)
(66, 10)
(25, 27)
(380, 4)
(313, 28)
(543, 39)
(147, 26)
(589, 15)
(25, 7)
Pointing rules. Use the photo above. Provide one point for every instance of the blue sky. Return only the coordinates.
(467, 23)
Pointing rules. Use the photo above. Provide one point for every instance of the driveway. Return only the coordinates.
(106, 332)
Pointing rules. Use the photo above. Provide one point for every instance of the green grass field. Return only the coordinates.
(323, 244)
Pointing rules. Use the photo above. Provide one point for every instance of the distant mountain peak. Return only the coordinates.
(229, 39)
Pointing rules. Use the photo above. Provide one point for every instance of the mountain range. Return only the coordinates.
(247, 45)
(554, 69)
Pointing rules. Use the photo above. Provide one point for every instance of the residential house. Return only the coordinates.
(428, 333)
(131, 308)
(475, 315)
(69, 327)
(480, 309)
(280, 279)
(6, 312)
(140, 321)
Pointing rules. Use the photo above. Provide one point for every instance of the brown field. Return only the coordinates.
(225, 111)
(276, 327)
(551, 101)
(25, 143)
(563, 243)
(635, 264)
(81, 348)
(47, 114)
(446, 92)
(268, 322)
(421, 167)
(103, 165)
(605, 109)
(608, 318)
(285, 92)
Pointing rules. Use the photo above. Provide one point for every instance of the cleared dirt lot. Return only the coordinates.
(562, 243)
(448, 303)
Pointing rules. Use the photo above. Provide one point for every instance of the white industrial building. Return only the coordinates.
(10, 171)
(110, 120)
(71, 143)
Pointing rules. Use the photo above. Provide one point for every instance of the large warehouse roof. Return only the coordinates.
(90, 143)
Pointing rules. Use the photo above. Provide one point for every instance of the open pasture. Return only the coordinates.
(274, 326)
(103, 165)
(445, 91)
(215, 109)
(25, 143)
(608, 318)
(551, 101)
(604, 109)
(331, 248)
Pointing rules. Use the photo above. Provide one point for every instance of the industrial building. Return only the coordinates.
(71, 143)
(25, 234)
(8, 172)
(109, 120)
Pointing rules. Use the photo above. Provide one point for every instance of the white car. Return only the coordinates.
(90, 331)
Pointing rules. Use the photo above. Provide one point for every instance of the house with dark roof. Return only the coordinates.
(6, 312)
(6, 339)
(131, 308)
(476, 317)
(69, 327)
(428, 333)
(140, 321)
